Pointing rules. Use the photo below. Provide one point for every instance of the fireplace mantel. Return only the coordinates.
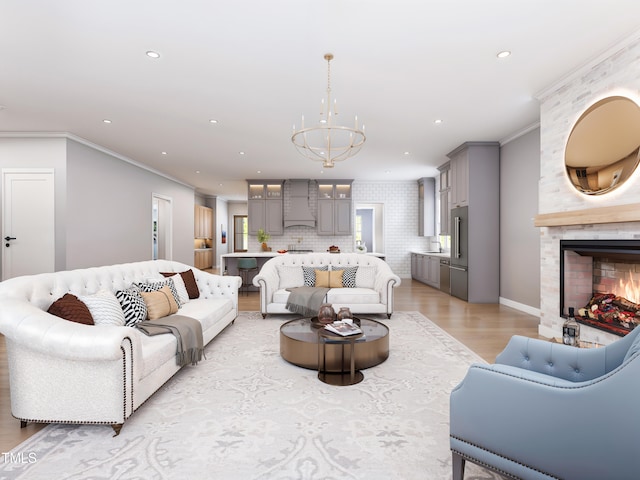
(589, 216)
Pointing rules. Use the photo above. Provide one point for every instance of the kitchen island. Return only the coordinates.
(229, 262)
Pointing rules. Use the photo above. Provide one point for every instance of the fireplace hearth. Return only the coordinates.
(601, 280)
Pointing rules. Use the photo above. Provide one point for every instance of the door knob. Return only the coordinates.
(7, 238)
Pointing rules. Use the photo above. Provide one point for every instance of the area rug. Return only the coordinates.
(245, 413)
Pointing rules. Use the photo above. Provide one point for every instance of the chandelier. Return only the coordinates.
(326, 142)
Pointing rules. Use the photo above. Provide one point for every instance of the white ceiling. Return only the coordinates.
(256, 66)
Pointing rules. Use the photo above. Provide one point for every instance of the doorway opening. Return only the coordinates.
(240, 233)
(369, 226)
(161, 227)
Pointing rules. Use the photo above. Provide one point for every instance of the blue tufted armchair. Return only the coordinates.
(550, 411)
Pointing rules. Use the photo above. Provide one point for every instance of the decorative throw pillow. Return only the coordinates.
(160, 303)
(365, 277)
(155, 286)
(349, 277)
(71, 308)
(290, 277)
(181, 289)
(329, 279)
(104, 307)
(309, 274)
(133, 306)
(189, 282)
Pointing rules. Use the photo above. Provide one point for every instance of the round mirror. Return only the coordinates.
(603, 147)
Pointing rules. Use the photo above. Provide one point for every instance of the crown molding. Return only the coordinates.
(519, 133)
(581, 70)
(95, 146)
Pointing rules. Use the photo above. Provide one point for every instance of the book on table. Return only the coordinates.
(343, 328)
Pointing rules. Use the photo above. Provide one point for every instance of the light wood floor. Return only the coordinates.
(483, 328)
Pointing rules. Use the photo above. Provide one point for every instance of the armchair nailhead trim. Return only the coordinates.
(495, 469)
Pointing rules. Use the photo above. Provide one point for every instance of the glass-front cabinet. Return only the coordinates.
(265, 206)
(334, 207)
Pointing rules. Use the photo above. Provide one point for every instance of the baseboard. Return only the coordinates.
(520, 306)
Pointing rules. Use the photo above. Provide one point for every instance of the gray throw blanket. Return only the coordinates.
(306, 300)
(188, 333)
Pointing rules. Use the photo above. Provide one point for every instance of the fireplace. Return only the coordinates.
(600, 279)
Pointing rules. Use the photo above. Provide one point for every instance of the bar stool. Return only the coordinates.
(245, 267)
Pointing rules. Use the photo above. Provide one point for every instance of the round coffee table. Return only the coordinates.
(299, 345)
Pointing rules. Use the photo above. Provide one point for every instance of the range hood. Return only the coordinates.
(299, 213)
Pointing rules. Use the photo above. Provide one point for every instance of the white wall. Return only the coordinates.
(103, 204)
(42, 153)
(519, 239)
(109, 205)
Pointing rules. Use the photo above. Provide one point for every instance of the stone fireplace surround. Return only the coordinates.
(564, 213)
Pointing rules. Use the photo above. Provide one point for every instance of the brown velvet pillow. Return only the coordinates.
(189, 282)
(71, 308)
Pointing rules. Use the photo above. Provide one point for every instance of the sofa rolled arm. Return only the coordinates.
(554, 359)
(40, 331)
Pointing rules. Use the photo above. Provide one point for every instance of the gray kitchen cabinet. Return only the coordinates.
(475, 230)
(334, 207)
(445, 198)
(427, 207)
(426, 269)
(265, 206)
(460, 178)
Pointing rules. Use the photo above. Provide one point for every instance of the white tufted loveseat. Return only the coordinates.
(374, 296)
(66, 372)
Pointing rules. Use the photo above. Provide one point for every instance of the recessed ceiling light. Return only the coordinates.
(164, 153)
(197, 171)
(153, 54)
(437, 121)
(406, 153)
(241, 153)
(213, 121)
(503, 54)
(259, 171)
(106, 120)
(219, 184)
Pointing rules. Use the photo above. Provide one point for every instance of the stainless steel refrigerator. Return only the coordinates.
(459, 266)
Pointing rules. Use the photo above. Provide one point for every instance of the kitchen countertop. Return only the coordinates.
(433, 254)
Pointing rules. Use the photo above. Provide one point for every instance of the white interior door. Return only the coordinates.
(28, 222)
(162, 227)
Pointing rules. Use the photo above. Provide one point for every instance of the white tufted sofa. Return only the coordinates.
(67, 372)
(376, 298)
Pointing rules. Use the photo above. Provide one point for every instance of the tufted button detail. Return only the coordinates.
(551, 364)
(526, 357)
(577, 370)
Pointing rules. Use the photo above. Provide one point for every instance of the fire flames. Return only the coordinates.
(618, 311)
(629, 290)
